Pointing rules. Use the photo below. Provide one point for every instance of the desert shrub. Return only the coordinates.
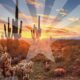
(71, 55)
(57, 72)
(39, 58)
(3, 42)
(17, 49)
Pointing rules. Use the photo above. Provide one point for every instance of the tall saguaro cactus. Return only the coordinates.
(5, 30)
(9, 29)
(39, 28)
(20, 31)
(36, 31)
(16, 32)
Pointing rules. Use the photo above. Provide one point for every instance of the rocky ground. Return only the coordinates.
(38, 68)
(40, 74)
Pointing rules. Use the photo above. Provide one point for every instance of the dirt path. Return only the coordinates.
(38, 73)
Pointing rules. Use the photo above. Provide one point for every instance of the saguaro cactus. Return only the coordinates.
(16, 32)
(20, 31)
(5, 30)
(9, 29)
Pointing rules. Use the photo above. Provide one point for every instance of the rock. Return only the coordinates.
(59, 72)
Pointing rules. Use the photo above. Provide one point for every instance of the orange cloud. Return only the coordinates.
(61, 32)
(49, 20)
(34, 3)
(3, 22)
(28, 28)
(23, 16)
(26, 17)
(44, 19)
(48, 27)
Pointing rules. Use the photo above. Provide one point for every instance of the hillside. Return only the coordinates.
(67, 55)
(18, 49)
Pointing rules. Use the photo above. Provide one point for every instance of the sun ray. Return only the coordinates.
(41, 6)
(23, 7)
(58, 4)
(9, 5)
(40, 9)
(65, 22)
(2, 13)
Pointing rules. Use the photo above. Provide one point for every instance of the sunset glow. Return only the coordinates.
(57, 21)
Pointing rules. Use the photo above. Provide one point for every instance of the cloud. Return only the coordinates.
(3, 22)
(28, 27)
(35, 3)
(44, 18)
(27, 21)
(62, 12)
(74, 19)
(61, 32)
(23, 16)
(49, 20)
(27, 18)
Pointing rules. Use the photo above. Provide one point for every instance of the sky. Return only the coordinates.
(59, 18)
